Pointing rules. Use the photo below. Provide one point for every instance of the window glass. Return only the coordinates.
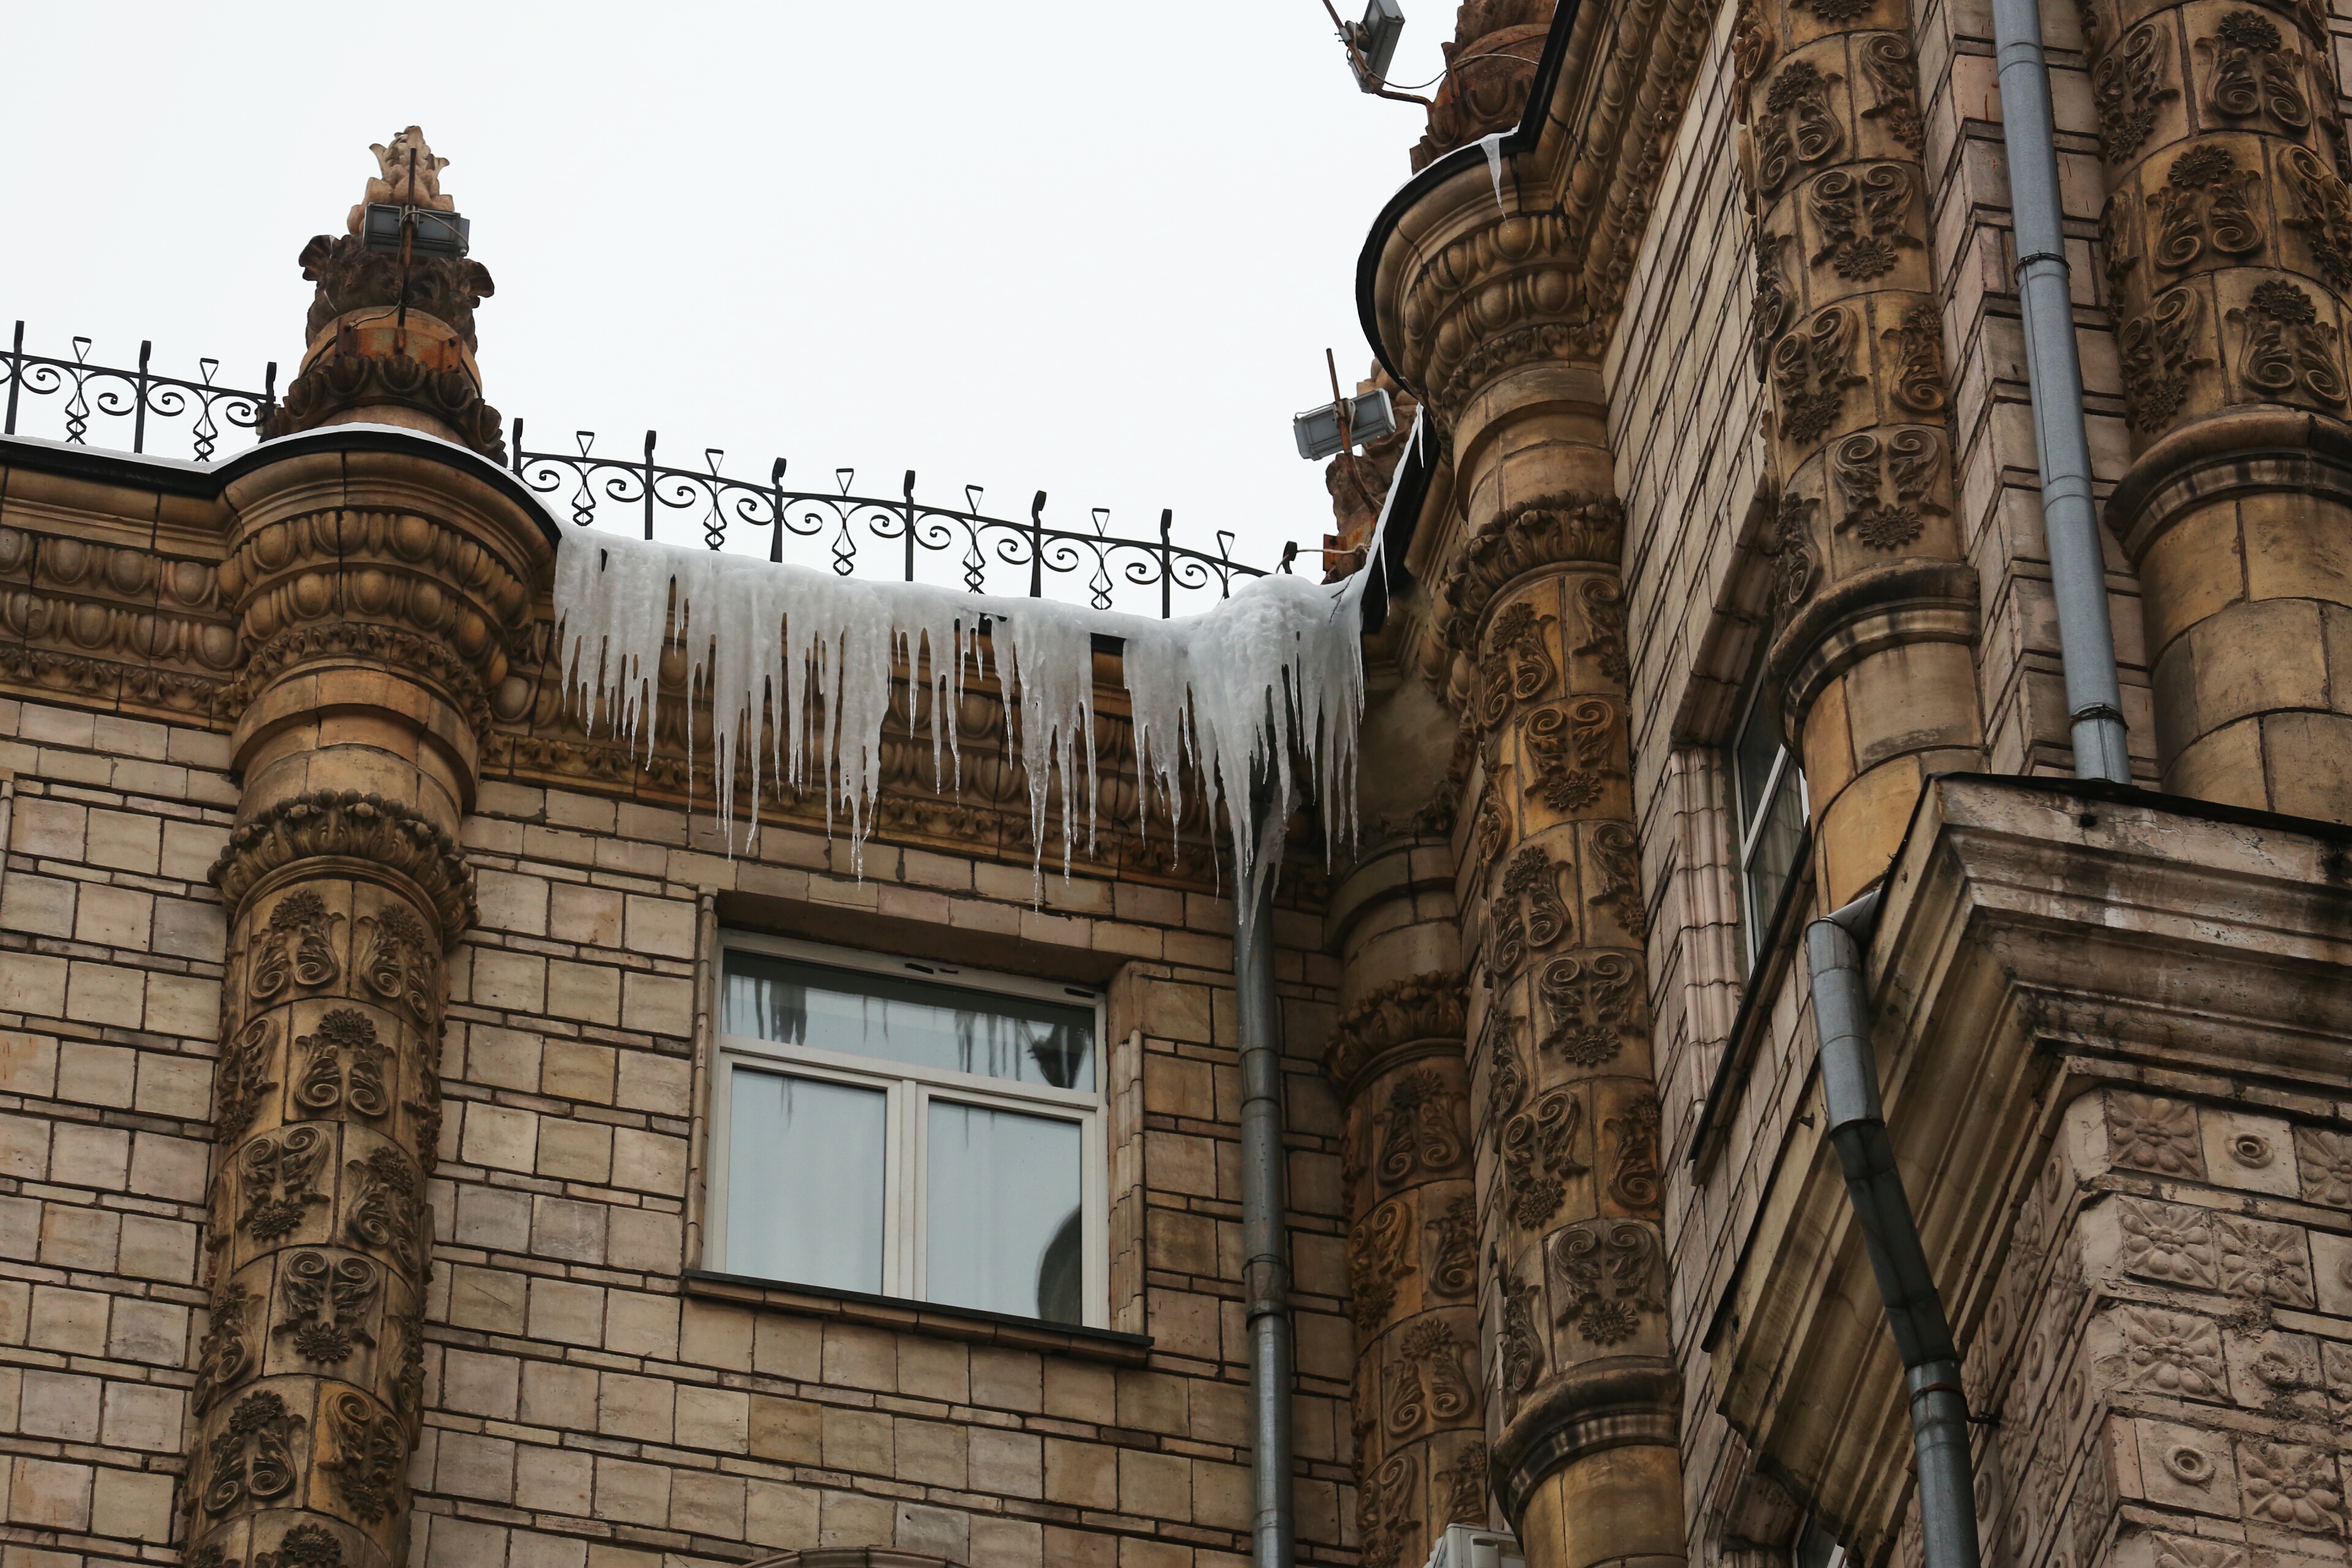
(1768, 797)
(806, 1173)
(1004, 1204)
(910, 1021)
(1758, 745)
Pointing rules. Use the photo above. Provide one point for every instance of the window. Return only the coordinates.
(1816, 1547)
(1768, 794)
(906, 1129)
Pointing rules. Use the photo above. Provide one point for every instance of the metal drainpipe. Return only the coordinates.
(1914, 1312)
(2078, 571)
(1265, 1245)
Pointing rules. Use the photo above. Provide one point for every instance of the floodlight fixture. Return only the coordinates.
(1322, 432)
(429, 233)
(1371, 43)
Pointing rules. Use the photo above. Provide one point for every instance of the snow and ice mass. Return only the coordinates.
(798, 664)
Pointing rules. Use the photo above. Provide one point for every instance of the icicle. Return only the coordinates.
(1276, 669)
(1492, 145)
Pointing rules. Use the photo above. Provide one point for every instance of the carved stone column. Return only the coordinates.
(1873, 662)
(376, 582)
(2228, 231)
(1395, 1058)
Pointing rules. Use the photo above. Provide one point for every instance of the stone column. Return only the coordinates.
(1873, 662)
(1395, 1060)
(2227, 239)
(377, 585)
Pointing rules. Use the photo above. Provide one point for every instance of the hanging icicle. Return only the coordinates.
(1275, 669)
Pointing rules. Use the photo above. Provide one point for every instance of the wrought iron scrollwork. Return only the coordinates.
(139, 395)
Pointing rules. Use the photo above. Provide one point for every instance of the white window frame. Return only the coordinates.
(908, 1091)
(1749, 834)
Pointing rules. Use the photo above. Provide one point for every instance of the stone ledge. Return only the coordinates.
(966, 1323)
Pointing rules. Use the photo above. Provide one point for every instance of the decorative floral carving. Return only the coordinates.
(2287, 352)
(370, 1452)
(1543, 531)
(1492, 830)
(1594, 999)
(1538, 1141)
(1518, 664)
(2127, 89)
(389, 1213)
(2175, 1552)
(2250, 71)
(302, 922)
(360, 826)
(276, 1176)
(2146, 1133)
(2290, 1485)
(1793, 564)
(1604, 1278)
(1635, 1182)
(1894, 74)
(1774, 303)
(1798, 126)
(1618, 857)
(1862, 465)
(399, 962)
(1427, 1381)
(2160, 351)
(2262, 1262)
(2326, 221)
(1380, 1254)
(325, 1085)
(1603, 602)
(1428, 1007)
(1385, 1513)
(1811, 371)
(1419, 1129)
(240, 1082)
(1569, 748)
(2161, 1241)
(1863, 220)
(2173, 1352)
(225, 1356)
(304, 1546)
(2324, 1162)
(429, 656)
(1463, 1484)
(1520, 1350)
(324, 1304)
(1751, 51)
(2202, 202)
(1837, 12)
(1919, 342)
(1534, 884)
(339, 381)
(252, 1456)
(1454, 1272)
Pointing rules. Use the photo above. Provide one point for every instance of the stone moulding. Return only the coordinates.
(1900, 604)
(341, 382)
(1420, 1009)
(351, 825)
(364, 641)
(2249, 451)
(1588, 1409)
(1543, 531)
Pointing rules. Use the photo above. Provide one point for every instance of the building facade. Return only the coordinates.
(430, 1137)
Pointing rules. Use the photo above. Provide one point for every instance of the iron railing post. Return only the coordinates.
(908, 489)
(138, 398)
(1167, 561)
(16, 375)
(1037, 547)
(649, 484)
(776, 494)
(517, 444)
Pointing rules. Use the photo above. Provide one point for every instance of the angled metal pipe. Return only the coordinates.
(1914, 1312)
(1266, 1242)
(2078, 571)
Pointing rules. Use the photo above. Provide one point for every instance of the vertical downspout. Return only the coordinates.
(1266, 1249)
(1914, 1312)
(2078, 571)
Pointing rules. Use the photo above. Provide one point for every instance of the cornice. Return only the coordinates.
(348, 825)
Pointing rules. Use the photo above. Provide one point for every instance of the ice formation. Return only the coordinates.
(1493, 146)
(1273, 670)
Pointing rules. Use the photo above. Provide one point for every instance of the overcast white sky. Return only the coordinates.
(1093, 246)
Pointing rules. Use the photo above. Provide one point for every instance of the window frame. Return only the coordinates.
(908, 1091)
(1746, 834)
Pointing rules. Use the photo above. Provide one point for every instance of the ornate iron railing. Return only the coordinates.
(902, 532)
(97, 392)
(901, 535)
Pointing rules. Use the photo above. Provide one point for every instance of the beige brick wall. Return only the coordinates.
(582, 1408)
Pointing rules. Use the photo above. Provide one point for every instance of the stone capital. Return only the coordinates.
(1565, 528)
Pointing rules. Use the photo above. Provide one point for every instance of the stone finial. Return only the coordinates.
(1359, 481)
(1489, 68)
(408, 175)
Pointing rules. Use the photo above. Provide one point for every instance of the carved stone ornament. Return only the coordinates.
(340, 381)
(1520, 1357)
(1530, 913)
(278, 1179)
(2174, 1354)
(326, 1303)
(1811, 370)
(389, 1213)
(1386, 1518)
(370, 1454)
(351, 277)
(2292, 1486)
(1618, 857)
(2262, 1262)
(1455, 1269)
(227, 1355)
(2128, 89)
(1635, 1180)
(2146, 1133)
(1429, 1006)
(1863, 219)
(1420, 1127)
(2201, 206)
(1594, 999)
(1864, 467)
(350, 824)
(2250, 71)
(241, 1081)
(2323, 1161)
(2286, 353)
(1774, 305)
(1537, 1135)
(2159, 353)
(251, 1460)
(2167, 1243)
(1751, 51)
(409, 651)
(1893, 73)
(1518, 666)
(304, 1546)
(399, 961)
(344, 1064)
(1380, 1253)
(1546, 531)
(1918, 344)
(1604, 1276)
(2326, 223)
(1799, 129)
(1795, 567)
(1569, 749)
(294, 949)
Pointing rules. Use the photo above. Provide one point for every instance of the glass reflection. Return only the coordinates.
(1004, 1195)
(805, 1181)
(910, 1021)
